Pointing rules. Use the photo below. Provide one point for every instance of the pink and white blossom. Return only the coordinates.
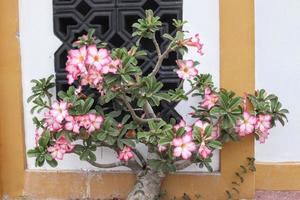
(246, 125)
(98, 58)
(72, 124)
(73, 73)
(126, 154)
(263, 136)
(184, 147)
(216, 132)
(187, 69)
(112, 67)
(94, 122)
(210, 99)
(161, 148)
(183, 124)
(59, 110)
(56, 152)
(77, 57)
(204, 151)
(263, 123)
(60, 147)
(202, 126)
(37, 135)
(51, 123)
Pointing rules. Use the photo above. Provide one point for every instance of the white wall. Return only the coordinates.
(38, 45)
(278, 71)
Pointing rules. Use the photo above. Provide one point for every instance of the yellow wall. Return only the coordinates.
(237, 73)
(12, 162)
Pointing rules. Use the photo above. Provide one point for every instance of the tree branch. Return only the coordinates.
(106, 166)
(191, 90)
(161, 59)
(132, 164)
(140, 157)
(135, 117)
(182, 164)
(149, 110)
(156, 46)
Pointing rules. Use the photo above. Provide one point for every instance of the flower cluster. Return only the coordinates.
(126, 154)
(58, 118)
(210, 99)
(60, 147)
(90, 122)
(249, 124)
(90, 64)
(55, 116)
(185, 145)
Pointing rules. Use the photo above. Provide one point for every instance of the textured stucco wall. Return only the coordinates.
(278, 71)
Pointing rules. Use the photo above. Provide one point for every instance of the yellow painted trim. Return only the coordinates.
(12, 157)
(237, 73)
(278, 176)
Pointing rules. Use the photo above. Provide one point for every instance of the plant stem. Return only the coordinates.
(156, 46)
(105, 166)
(182, 164)
(191, 90)
(135, 117)
(160, 59)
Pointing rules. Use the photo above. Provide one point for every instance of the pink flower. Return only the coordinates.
(112, 67)
(78, 90)
(51, 123)
(215, 132)
(56, 152)
(182, 124)
(59, 110)
(94, 78)
(94, 122)
(263, 123)
(263, 136)
(202, 125)
(210, 99)
(64, 144)
(186, 70)
(204, 151)
(197, 44)
(161, 148)
(77, 57)
(60, 147)
(72, 124)
(183, 147)
(246, 125)
(37, 135)
(73, 73)
(126, 154)
(98, 58)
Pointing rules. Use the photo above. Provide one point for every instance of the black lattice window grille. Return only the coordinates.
(112, 20)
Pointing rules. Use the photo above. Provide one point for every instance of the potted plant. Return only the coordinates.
(110, 103)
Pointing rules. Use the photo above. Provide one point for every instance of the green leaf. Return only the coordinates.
(88, 104)
(78, 149)
(215, 144)
(33, 153)
(128, 142)
(110, 140)
(84, 155)
(101, 136)
(52, 163)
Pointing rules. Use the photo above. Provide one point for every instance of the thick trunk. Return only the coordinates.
(147, 186)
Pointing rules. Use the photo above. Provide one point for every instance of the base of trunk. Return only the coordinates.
(147, 186)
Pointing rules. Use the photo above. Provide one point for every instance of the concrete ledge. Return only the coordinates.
(277, 176)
